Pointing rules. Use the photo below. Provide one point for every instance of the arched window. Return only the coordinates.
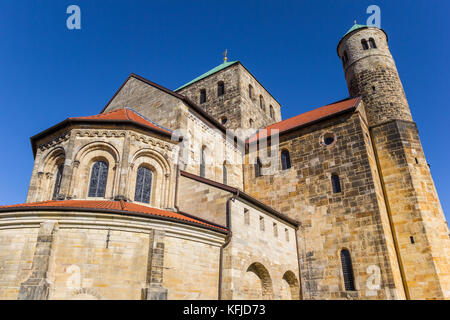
(220, 88)
(225, 173)
(58, 179)
(258, 167)
(143, 185)
(202, 162)
(336, 184)
(364, 44)
(345, 57)
(250, 91)
(272, 114)
(202, 95)
(250, 122)
(372, 43)
(285, 160)
(261, 102)
(347, 270)
(99, 175)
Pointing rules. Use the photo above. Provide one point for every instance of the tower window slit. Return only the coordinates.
(347, 270)
(202, 95)
(335, 183)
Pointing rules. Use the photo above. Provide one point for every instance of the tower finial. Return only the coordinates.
(225, 56)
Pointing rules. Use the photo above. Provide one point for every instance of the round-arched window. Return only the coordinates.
(143, 185)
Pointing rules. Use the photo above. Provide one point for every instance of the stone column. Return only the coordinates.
(154, 289)
(67, 174)
(37, 286)
(123, 167)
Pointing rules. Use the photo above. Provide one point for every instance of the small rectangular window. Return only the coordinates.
(412, 239)
(261, 223)
(246, 216)
(202, 95)
(286, 232)
(275, 229)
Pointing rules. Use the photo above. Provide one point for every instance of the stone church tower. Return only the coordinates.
(417, 221)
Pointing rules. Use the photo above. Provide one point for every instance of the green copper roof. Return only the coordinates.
(210, 72)
(353, 28)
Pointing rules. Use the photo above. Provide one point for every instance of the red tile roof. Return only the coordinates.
(124, 114)
(306, 118)
(112, 206)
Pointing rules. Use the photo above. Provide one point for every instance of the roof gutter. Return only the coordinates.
(213, 226)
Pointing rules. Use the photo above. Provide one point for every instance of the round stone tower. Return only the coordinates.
(371, 73)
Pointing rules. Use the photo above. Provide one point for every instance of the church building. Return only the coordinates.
(205, 192)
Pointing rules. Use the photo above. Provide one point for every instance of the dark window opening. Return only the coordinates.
(99, 175)
(220, 89)
(271, 112)
(258, 167)
(372, 43)
(417, 161)
(58, 179)
(202, 95)
(143, 185)
(364, 44)
(347, 270)
(250, 91)
(373, 88)
(328, 139)
(412, 239)
(285, 160)
(336, 184)
(345, 57)
(224, 120)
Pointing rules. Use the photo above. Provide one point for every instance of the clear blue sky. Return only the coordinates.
(49, 73)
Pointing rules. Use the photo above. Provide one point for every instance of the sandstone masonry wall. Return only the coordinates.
(351, 219)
